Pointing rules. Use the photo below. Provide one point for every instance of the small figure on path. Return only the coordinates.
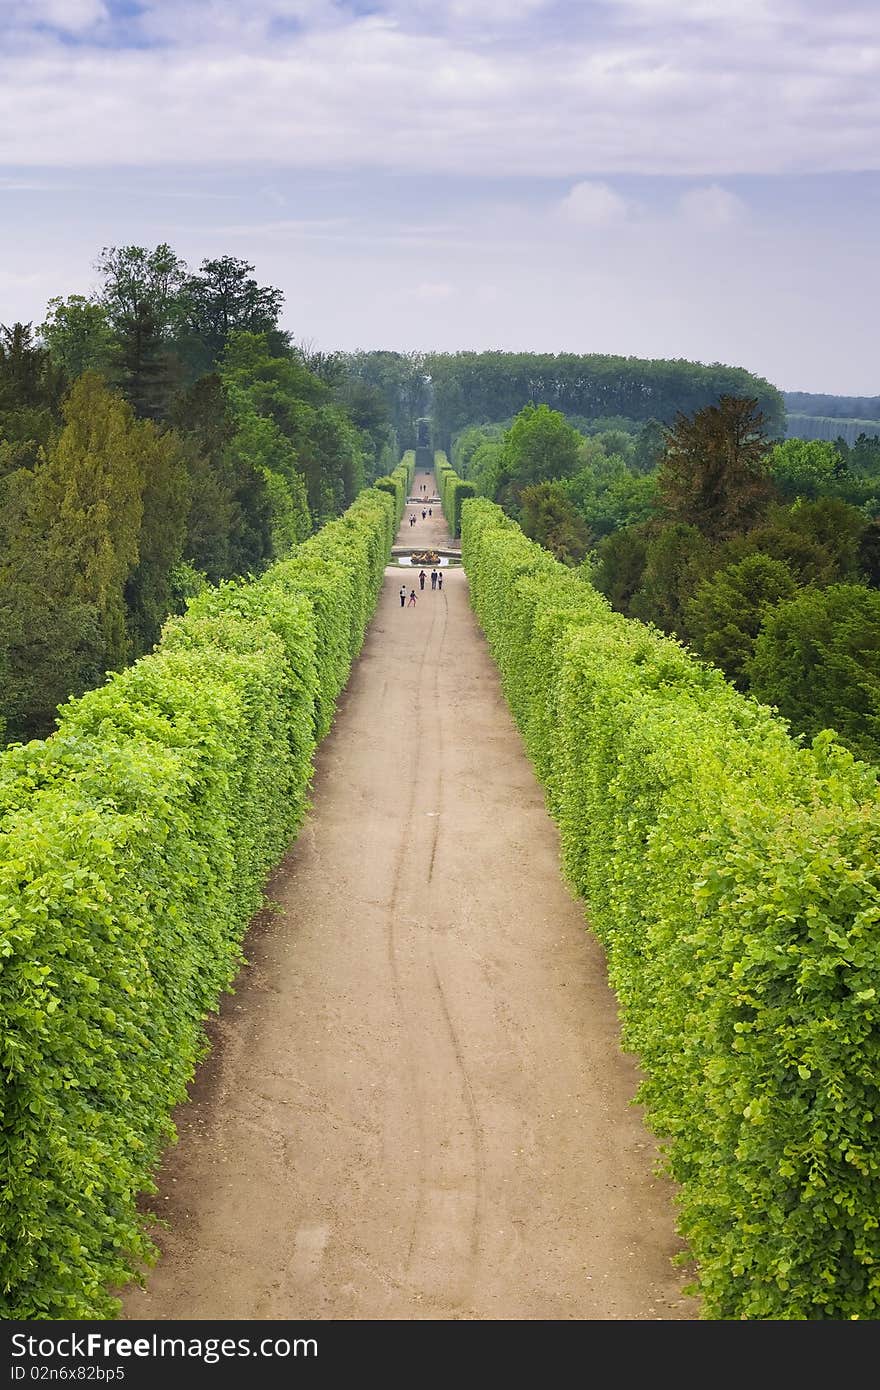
(402, 595)
(423, 513)
(412, 598)
(422, 577)
(430, 513)
(433, 579)
(439, 581)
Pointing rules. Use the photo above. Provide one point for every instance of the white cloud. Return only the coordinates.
(640, 87)
(593, 205)
(71, 16)
(433, 291)
(712, 206)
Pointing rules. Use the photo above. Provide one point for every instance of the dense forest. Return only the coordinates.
(465, 388)
(762, 555)
(158, 435)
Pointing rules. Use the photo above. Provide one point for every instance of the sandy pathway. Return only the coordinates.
(416, 1105)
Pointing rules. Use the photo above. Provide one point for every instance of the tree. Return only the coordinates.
(677, 558)
(150, 587)
(725, 614)
(141, 297)
(869, 553)
(835, 526)
(88, 500)
(31, 387)
(805, 467)
(817, 659)
(258, 444)
(550, 518)
(713, 474)
(621, 564)
(78, 336)
(224, 298)
(540, 446)
(137, 279)
(73, 529)
(229, 524)
(649, 447)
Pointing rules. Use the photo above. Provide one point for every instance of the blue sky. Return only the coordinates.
(669, 178)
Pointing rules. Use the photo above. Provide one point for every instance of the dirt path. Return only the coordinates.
(416, 1105)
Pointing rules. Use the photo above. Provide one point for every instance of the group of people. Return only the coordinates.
(436, 583)
(413, 518)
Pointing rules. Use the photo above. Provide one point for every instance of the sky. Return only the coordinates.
(691, 179)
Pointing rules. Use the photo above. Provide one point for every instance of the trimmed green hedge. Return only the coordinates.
(453, 491)
(399, 484)
(733, 877)
(134, 845)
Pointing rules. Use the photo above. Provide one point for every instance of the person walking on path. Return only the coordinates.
(422, 577)
(440, 580)
(402, 595)
(412, 598)
(430, 513)
(433, 579)
(423, 513)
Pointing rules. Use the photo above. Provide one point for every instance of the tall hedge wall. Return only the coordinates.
(399, 484)
(733, 877)
(134, 845)
(453, 490)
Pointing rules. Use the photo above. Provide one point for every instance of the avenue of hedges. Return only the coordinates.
(134, 846)
(732, 876)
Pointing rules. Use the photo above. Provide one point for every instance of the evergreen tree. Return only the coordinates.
(72, 530)
(714, 472)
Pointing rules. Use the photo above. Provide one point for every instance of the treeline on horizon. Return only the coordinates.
(817, 403)
(158, 435)
(761, 554)
(466, 388)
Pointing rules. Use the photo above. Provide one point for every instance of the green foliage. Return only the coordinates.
(479, 387)
(817, 658)
(31, 387)
(469, 441)
(321, 442)
(714, 472)
(607, 494)
(649, 447)
(135, 845)
(620, 565)
(453, 491)
(733, 879)
(725, 615)
(222, 299)
(540, 446)
(805, 467)
(140, 297)
(550, 517)
(398, 484)
(677, 558)
(78, 335)
(74, 544)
